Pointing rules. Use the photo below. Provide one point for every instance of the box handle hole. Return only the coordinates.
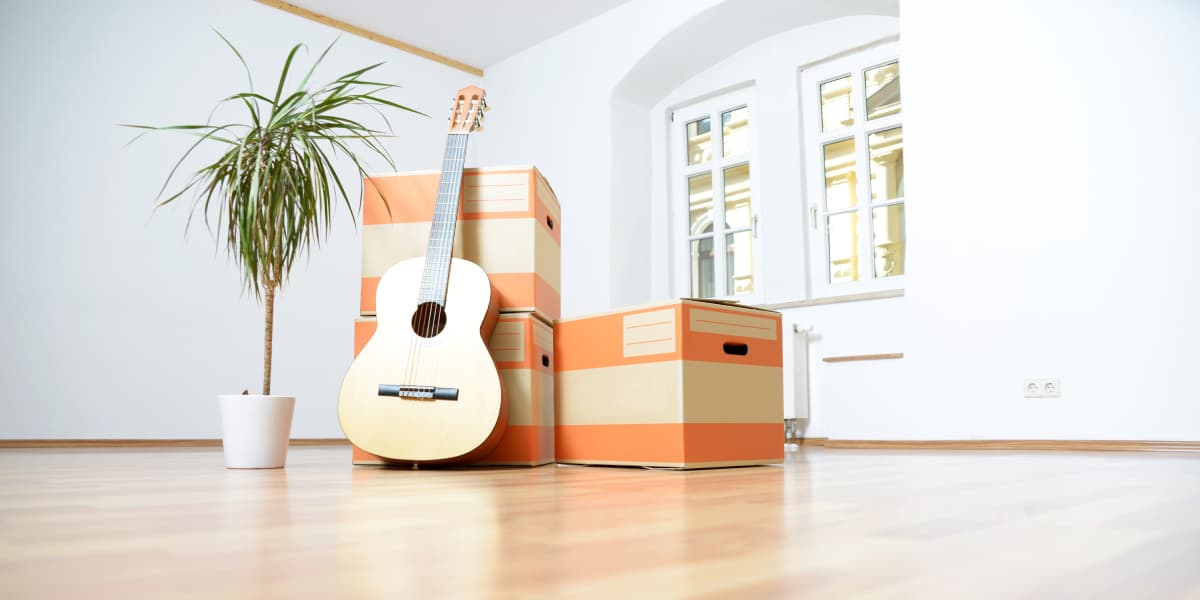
(545, 360)
(550, 223)
(736, 349)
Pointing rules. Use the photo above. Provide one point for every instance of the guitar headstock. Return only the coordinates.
(466, 111)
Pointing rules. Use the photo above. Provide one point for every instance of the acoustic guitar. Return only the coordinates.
(425, 389)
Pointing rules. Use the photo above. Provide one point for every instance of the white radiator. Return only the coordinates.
(800, 371)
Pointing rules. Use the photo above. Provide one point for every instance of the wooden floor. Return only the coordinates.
(829, 524)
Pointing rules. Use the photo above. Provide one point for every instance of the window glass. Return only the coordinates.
(843, 247)
(735, 132)
(888, 225)
(841, 181)
(703, 279)
(882, 85)
(737, 196)
(700, 202)
(739, 263)
(886, 149)
(837, 110)
(699, 141)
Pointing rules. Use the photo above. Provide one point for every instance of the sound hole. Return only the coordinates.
(429, 319)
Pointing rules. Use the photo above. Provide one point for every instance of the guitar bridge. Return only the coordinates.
(418, 392)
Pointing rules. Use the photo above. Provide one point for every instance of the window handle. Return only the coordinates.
(812, 211)
(754, 226)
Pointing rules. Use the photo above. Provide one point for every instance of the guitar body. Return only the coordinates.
(425, 430)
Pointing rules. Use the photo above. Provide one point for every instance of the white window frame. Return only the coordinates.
(811, 79)
(680, 171)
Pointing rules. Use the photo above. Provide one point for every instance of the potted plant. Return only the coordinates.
(273, 192)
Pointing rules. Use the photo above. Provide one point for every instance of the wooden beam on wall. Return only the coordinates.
(858, 357)
(371, 35)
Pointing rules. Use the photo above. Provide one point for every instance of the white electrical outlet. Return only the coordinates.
(1043, 387)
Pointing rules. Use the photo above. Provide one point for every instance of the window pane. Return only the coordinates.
(887, 164)
(699, 141)
(735, 128)
(702, 268)
(737, 197)
(700, 203)
(739, 263)
(843, 247)
(883, 90)
(836, 108)
(888, 224)
(841, 181)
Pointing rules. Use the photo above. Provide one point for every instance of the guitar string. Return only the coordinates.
(436, 272)
(448, 222)
(421, 323)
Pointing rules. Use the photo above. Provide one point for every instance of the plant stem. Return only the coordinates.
(269, 304)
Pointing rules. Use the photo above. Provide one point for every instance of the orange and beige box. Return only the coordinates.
(508, 225)
(684, 384)
(523, 347)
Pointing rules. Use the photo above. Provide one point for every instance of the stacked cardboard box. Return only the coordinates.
(683, 384)
(508, 224)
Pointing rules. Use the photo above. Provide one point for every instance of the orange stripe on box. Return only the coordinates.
(360, 457)
(710, 347)
(690, 443)
(670, 442)
(716, 442)
(411, 199)
(526, 291)
(523, 444)
(366, 304)
(363, 330)
(653, 442)
(595, 342)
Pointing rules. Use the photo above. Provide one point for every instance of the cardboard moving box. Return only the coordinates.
(523, 347)
(508, 224)
(685, 383)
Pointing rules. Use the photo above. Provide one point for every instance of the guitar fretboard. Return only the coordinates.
(445, 217)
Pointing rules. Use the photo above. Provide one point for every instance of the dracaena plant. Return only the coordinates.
(273, 190)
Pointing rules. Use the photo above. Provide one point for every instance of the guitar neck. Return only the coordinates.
(445, 218)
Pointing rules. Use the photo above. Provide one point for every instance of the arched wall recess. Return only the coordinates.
(637, 268)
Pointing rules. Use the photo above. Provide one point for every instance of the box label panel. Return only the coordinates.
(731, 324)
(648, 333)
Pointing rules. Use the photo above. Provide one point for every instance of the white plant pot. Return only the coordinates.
(255, 430)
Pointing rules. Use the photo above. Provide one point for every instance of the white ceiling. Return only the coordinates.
(479, 33)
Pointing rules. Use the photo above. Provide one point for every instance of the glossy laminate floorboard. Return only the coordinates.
(147, 523)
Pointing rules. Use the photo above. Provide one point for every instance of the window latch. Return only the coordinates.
(812, 212)
(754, 226)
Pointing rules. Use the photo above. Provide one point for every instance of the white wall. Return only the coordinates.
(1061, 134)
(1052, 220)
(114, 325)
